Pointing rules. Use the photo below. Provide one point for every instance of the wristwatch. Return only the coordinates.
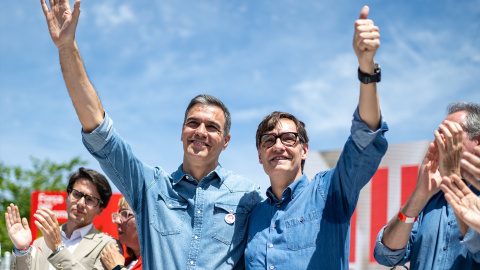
(59, 247)
(370, 78)
(119, 267)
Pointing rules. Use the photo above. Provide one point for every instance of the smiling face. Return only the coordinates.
(127, 229)
(203, 136)
(280, 162)
(79, 213)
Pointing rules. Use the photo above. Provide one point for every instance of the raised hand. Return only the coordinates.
(366, 41)
(17, 228)
(61, 21)
(111, 257)
(47, 223)
(429, 179)
(470, 164)
(449, 140)
(464, 202)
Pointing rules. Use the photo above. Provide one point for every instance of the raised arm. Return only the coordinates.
(366, 41)
(62, 24)
(442, 159)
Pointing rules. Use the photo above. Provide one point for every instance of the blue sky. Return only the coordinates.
(147, 59)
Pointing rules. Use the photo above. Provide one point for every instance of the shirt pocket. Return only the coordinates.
(229, 223)
(302, 231)
(170, 215)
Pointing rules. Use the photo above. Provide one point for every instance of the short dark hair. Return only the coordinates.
(210, 101)
(100, 182)
(472, 121)
(270, 122)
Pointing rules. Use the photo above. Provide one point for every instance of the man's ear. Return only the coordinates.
(305, 151)
(259, 157)
(226, 141)
(100, 211)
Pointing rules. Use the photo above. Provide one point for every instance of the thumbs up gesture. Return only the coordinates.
(366, 41)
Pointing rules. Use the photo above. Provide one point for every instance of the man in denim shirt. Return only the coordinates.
(194, 218)
(426, 231)
(305, 224)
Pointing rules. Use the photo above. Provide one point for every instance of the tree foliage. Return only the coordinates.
(17, 184)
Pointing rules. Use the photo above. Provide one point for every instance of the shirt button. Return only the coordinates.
(170, 205)
(301, 219)
(187, 177)
(274, 225)
(277, 205)
(191, 262)
(449, 223)
(444, 248)
(199, 211)
(196, 237)
(271, 245)
(200, 188)
(272, 267)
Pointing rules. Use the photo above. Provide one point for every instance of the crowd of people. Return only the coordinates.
(203, 216)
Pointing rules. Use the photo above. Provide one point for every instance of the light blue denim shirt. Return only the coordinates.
(309, 227)
(181, 223)
(435, 241)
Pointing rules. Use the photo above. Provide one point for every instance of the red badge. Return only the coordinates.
(230, 218)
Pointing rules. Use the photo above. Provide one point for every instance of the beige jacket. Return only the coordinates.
(86, 255)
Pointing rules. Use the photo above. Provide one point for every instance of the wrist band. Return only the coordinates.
(406, 219)
(22, 251)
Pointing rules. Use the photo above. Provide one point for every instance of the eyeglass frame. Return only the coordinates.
(99, 201)
(121, 218)
(279, 136)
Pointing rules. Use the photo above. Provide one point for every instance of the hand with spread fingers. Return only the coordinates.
(47, 223)
(449, 140)
(111, 257)
(61, 21)
(470, 164)
(17, 228)
(464, 202)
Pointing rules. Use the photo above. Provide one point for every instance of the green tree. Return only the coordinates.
(17, 184)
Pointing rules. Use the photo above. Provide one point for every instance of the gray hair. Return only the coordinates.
(472, 121)
(211, 101)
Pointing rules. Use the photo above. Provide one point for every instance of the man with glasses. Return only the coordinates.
(74, 245)
(193, 218)
(304, 224)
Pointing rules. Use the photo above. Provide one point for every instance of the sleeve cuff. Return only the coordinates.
(471, 240)
(361, 134)
(97, 139)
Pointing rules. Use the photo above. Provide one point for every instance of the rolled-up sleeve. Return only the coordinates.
(385, 256)
(471, 240)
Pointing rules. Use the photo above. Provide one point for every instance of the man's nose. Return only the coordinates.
(201, 130)
(278, 144)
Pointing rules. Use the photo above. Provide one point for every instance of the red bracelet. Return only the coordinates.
(406, 219)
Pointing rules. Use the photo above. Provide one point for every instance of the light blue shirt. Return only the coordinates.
(309, 228)
(181, 223)
(435, 241)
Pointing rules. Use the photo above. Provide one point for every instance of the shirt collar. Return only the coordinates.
(78, 233)
(218, 173)
(292, 191)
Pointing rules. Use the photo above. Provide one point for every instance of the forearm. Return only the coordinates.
(397, 233)
(84, 97)
(368, 104)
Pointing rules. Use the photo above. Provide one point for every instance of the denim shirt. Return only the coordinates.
(181, 223)
(435, 241)
(309, 227)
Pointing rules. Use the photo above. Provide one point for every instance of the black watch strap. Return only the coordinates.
(370, 78)
(119, 267)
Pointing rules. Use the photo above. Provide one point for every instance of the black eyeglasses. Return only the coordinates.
(288, 139)
(89, 199)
